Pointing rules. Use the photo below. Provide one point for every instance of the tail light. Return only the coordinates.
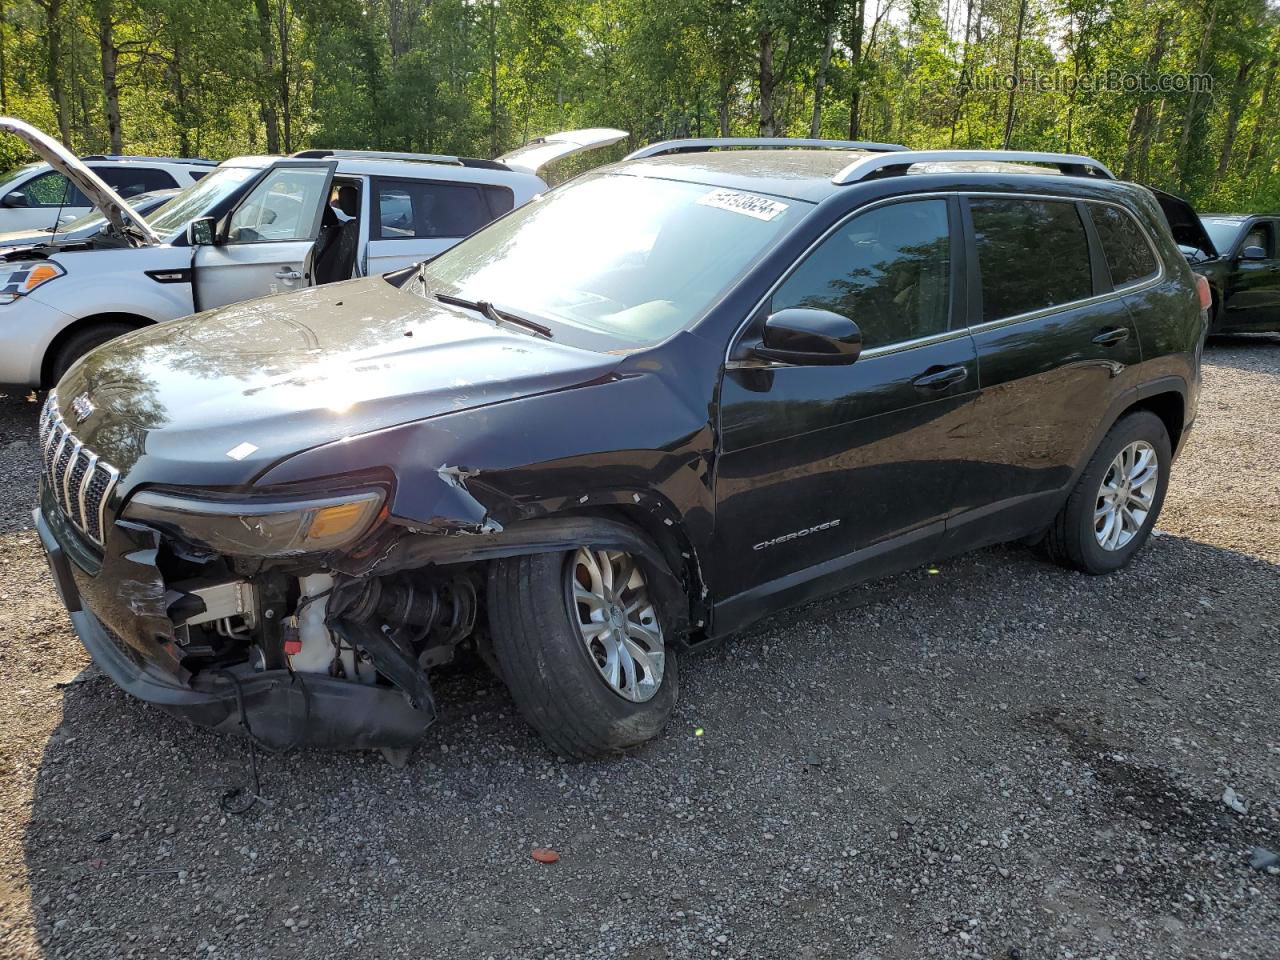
(1206, 294)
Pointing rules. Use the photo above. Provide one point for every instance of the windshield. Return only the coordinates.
(631, 258)
(93, 221)
(196, 200)
(1223, 233)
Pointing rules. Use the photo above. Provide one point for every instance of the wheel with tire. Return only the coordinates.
(1114, 505)
(80, 343)
(581, 641)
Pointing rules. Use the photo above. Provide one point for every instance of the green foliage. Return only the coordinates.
(220, 77)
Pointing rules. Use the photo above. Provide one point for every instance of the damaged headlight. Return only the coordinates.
(269, 529)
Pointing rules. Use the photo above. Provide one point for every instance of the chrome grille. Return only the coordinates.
(79, 481)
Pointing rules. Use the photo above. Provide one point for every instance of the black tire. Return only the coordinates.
(545, 664)
(1070, 539)
(80, 343)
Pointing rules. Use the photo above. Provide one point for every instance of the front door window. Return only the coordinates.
(888, 270)
(284, 206)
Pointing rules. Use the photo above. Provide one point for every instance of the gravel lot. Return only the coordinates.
(1003, 760)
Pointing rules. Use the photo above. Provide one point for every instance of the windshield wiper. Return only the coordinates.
(487, 309)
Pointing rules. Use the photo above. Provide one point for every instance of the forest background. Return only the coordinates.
(1183, 96)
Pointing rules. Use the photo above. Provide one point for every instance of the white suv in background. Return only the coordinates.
(253, 227)
(37, 197)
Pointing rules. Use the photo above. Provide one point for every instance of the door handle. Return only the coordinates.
(939, 378)
(288, 275)
(1111, 336)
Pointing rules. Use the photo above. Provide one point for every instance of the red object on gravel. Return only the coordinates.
(543, 855)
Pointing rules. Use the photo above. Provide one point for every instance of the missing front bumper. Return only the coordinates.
(284, 709)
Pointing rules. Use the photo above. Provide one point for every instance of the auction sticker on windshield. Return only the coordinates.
(762, 208)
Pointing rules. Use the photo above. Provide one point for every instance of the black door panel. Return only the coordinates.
(861, 445)
(818, 463)
(1046, 384)
(1047, 379)
(1252, 300)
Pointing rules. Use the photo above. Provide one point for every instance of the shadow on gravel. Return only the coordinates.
(1000, 757)
(1244, 351)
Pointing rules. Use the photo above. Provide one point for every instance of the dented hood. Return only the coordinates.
(223, 395)
(107, 201)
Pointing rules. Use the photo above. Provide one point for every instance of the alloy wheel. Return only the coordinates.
(1126, 495)
(617, 621)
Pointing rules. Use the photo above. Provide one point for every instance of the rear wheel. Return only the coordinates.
(580, 640)
(80, 343)
(1115, 503)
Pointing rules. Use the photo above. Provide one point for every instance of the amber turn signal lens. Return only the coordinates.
(39, 275)
(336, 520)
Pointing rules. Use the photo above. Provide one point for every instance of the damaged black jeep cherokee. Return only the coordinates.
(654, 405)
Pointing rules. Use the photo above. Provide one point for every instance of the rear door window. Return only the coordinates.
(888, 270)
(130, 181)
(1125, 245)
(52, 190)
(426, 209)
(1032, 255)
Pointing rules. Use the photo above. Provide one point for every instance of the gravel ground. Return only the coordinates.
(1001, 760)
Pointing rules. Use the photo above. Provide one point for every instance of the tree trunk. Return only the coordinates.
(4, 67)
(1139, 137)
(1013, 87)
(286, 101)
(964, 72)
(266, 97)
(178, 87)
(1238, 98)
(1260, 122)
(1152, 136)
(1193, 105)
(768, 83)
(110, 63)
(397, 30)
(820, 80)
(858, 15)
(493, 78)
(53, 41)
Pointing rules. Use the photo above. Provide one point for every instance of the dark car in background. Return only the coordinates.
(1238, 255)
(655, 404)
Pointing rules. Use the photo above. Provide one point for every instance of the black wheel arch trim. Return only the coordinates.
(541, 535)
(1121, 405)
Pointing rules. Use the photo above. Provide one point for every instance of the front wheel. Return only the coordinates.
(80, 343)
(582, 641)
(1113, 508)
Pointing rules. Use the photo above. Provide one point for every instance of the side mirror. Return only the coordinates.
(1253, 252)
(805, 336)
(15, 199)
(202, 232)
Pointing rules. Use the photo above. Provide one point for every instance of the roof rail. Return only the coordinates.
(412, 157)
(202, 161)
(696, 144)
(893, 163)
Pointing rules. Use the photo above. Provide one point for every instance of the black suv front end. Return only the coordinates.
(177, 631)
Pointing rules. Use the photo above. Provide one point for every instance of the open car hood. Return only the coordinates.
(537, 153)
(110, 203)
(1185, 224)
